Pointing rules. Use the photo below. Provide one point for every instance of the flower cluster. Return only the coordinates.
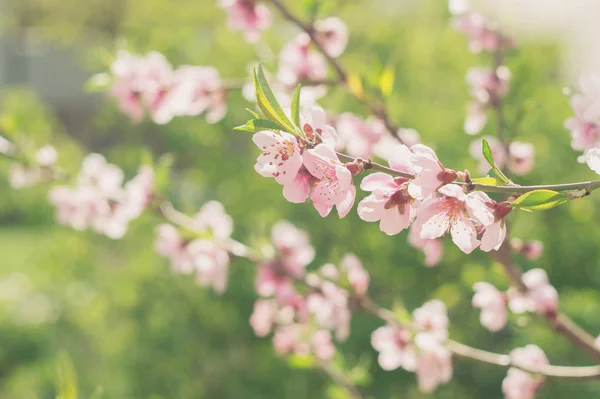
(418, 349)
(487, 86)
(303, 320)
(520, 384)
(483, 35)
(519, 160)
(150, 84)
(202, 249)
(100, 201)
(248, 16)
(585, 124)
(26, 175)
(531, 250)
(310, 168)
(540, 297)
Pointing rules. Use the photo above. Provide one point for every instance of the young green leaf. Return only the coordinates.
(268, 103)
(495, 172)
(488, 181)
(386, 81)
(296, 107)
(257, 125)
(539, 200)
(254, 114)
(307, 361)
(97, 83)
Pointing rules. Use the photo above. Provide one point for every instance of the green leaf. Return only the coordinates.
(257, 125)
(162, 172)
(495, 172)
(268, 103)
(301, 361)
(254, 114)
(539, 200)
(296, 107)
(98, 83)
(386, 81)
(488, 181)
(67, 388)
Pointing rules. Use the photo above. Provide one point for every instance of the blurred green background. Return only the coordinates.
(133, 329)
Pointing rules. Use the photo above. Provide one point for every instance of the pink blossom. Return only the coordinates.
(357, 276)
(334, 181)
(492, 303)
(434, 364)
(432, 319)
(584, 125)
(329, 305)
(247, 16)
(498, 152)
(521, 158)
(519, 384)
(486, 87)
(592, 159)
(22, 175)
(531, 250)
(430, 173)
(213, 218)
(196, 90)
(395, 348)
(281, 157)
(455, 212)
(264, 316)
(316, 128)
(541, 297)
(389, 202)
(293, 254)
(125, 89)
(481, 35)
(155, 79)
(171, 245)
(332, 34)
(458, 7)
(359, 137)
(299, 63)
(433, 249)
(410, 138)
(298, 190)
(211, 263)
(494, 234)
(298, 339)
(99, 200)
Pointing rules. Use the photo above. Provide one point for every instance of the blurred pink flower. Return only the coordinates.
(389, 201)
(395, 348)
(213, 218)
(521, 158)
(299, 63)
(531, 250)
(211, 263)
(492, 303)
(300, 340)
(433, 249)
(434, 364)
(247, 16)
(332, 34)
(263, 316)
(481, 35)
(486, 86)
(125, 87)
(541, 297)
(357, 136)
(592, 159)
(431, 318)
(357, 276)
(329, 305)
(334, 181)
(430, 173)
(22, 175)
(519, 384)
(171, 245)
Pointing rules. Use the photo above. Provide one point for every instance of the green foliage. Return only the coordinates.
(495, 172)
(539, 200)
(265, 98)
(137, 330)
